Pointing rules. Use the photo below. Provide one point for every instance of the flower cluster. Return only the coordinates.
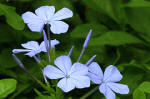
(71, 76)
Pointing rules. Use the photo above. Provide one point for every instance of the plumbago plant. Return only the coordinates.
(70, 75)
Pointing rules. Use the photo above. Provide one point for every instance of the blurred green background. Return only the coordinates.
(121, 37)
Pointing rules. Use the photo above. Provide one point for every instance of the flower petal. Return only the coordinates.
(95, 73)
(45, 12)
(53, 43)
(31, 53)
(20, 50)
(78, 69)
(62, 14)
(118, 88)
(81, 81)
(35, 23)
(112, 74)
(66, 84)
(108, 93)
(31, 45)
(58, 27)
(43, 46)
(63, 63)
(52, 72)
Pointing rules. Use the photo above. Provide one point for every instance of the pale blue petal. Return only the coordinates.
(66, 84)
(52, 72)
(20, 50)
(34, 22)
(45, 12)
(43, 46)
(108, 93)
(53, 43)
(31, 53)
(81, 81)
(58, 27)
(112, 74)
(29, 17)
(62, 14)
(118, 88)
(31, 45)
(95, 73)
(94, 78)
(78, 69)
(63, 63)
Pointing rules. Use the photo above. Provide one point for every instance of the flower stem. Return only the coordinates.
(117, 58)
(48, 33)
(71, 50)
(49, 39)
(81, 54)
(36, 59)
(90, 61)
(34, 78)
(89, 93)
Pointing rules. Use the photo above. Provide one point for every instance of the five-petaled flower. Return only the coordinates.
(45, 15)
(108, 80)
(73, 76)
(33, 48)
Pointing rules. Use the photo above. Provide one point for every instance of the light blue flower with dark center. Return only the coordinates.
(107, 81)
(46, 15)
(33, 47)
(72, 76)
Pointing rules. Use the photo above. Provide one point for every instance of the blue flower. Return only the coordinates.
(47, 15)
(33, 48)
(107, 81)
(73, 76)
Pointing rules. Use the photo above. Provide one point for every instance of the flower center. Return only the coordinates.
(103, 81)
(47, 21)
(67, 76)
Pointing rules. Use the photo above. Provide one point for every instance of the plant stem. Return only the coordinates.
(45, 79)
(117, 58)
(34, 78)
(70, 50)
(48, 33)
(89, 93)
(49, 39)
(81, 54)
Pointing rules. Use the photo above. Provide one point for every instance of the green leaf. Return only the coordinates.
(7, 86)
(114, 38)
(139, 19)
(137, 3)
(82, 30)
(112, 8)
(32, 35)
(138, 94)
(91, 4)
(59, 4)
(145, 87)
(12, 18)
